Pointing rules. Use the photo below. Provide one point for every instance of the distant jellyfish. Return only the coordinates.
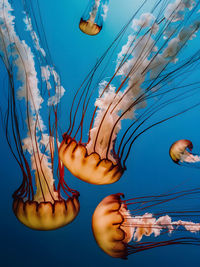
(148, 77)
(43, 201)
(120, 231)
(181, 153)
(91, 22)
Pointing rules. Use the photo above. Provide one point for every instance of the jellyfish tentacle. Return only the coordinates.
(38, 205)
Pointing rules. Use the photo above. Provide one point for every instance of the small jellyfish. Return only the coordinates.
(31, 117)
(91, 22)
(148, 76)
(181, 153)
(120, 231)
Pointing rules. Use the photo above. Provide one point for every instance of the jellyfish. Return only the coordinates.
(148, 77)
(119, 231)
(181, 153)
(92, 20)
(34, 92)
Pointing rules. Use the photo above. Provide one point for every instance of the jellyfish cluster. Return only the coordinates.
(152, 56)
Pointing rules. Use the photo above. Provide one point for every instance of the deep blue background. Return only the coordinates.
(149, 168)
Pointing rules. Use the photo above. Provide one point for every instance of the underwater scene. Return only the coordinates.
(100, 147)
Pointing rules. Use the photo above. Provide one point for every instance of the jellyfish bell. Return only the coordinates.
(43, 201)
(96, 146)
(181, 152)
(106, 225)
(90, 168)
(119, 233)
(46, 215)
(178, 149)
(89, 27)
(91, 22)
(47, 209)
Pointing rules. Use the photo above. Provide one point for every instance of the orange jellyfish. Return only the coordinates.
(92, 20)
(181, 153)
(148, 77)
(46, 209)
(30, 124)
(119, 231)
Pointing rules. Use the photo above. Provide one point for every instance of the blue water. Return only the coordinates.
(149, 168)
